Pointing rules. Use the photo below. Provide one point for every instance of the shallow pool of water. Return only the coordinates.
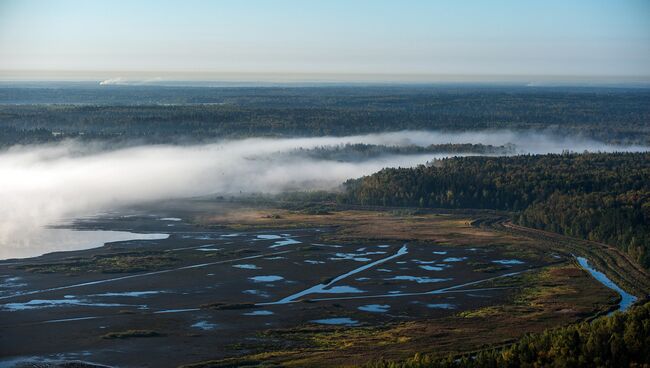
(53, 303)
(133, 294)
(419, 280)
(269, 278)
(343, 289)
(246, 266)
(284, 242)
(441, 306)
(337, 321)
(259, 313)
(54, 240)
(204, 325)
(508, 261)
(375, 308)
(454, 259)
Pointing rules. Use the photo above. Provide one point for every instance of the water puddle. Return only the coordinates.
(350, 258)
(418, 261)
(269, 278)
(171, 219)
(261, 293)
(204, 325)
(246, 266)
(259, 313)
(327, 245)
(375, 308)
(419, 280)
(268, 237)
(202, 237)
(454, 259)
(282, 243)
(441, 306)
(432, 268)
(10, 284)
(53, 303)
(341, 290)
(134, 294)
(440, 252)
(508, 261)
(310, 261)
(165, 311)
(358, 257)
(344, 321)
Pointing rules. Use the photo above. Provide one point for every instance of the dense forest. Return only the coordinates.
(598, 196)
(168, 114)
(619, 340)
(361, 151)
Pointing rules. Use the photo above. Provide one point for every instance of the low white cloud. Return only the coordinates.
(42, 185)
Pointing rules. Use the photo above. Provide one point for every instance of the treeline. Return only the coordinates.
(163, 115)
(619, 219)
(619, 340)
(361, 152)
(598, 196)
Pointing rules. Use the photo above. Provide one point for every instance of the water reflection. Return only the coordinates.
(55, 240)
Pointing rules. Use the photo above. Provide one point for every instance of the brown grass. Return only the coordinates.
(363, 225)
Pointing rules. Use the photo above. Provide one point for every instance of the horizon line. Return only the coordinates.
(156, 77)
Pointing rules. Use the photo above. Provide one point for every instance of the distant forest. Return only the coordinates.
(598, 196)
(361, 151)
(181, 114)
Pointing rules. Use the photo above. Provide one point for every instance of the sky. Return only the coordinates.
(199, 39)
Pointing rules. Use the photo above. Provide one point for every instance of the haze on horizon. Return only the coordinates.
(290, 39)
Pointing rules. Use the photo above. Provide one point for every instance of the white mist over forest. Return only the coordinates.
(42, 185)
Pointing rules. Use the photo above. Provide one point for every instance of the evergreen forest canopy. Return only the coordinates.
(49, 113)
(596, 196)
(362, 151)
(603, 197)
(620, 340)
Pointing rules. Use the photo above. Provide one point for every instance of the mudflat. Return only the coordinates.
(236, 284)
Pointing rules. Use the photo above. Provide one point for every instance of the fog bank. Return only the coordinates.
(41, 185)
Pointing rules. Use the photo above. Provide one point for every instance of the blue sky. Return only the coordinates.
(469, 37)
